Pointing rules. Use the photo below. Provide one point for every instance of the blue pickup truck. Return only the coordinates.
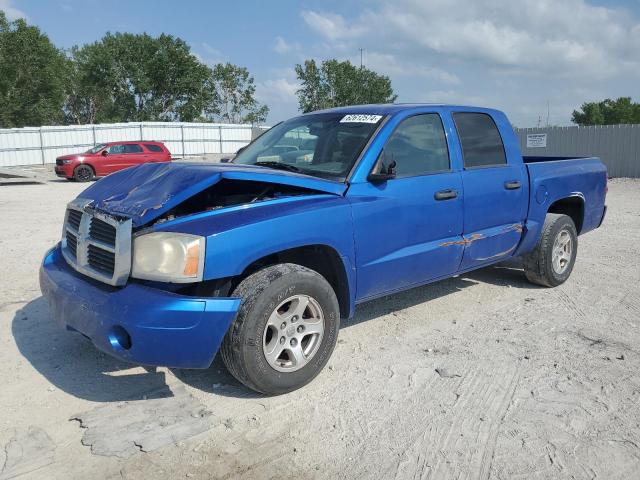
(260, 258)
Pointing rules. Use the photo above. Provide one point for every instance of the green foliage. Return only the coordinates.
(127, 77)
(607, 112)
(33, 76)
(233, 100)
(337, 84)
(122, 77)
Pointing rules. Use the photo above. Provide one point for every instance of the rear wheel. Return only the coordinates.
(551, 262)
(83, 173)
(285, 331)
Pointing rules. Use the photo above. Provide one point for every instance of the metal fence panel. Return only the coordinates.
(617, 145)
(32, 146)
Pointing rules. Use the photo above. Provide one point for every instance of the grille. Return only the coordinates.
(96, 244)
(73, 219)
(102, 231)
(72, 244)
(59, 162)
(101, 260)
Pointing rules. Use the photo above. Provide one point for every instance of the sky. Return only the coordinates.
(536, 60)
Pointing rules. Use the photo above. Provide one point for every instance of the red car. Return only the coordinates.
(106, 158)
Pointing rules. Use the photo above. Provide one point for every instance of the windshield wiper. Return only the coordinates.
(279, 166)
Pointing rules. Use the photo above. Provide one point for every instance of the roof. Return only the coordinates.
(392, 108)
(124, 142)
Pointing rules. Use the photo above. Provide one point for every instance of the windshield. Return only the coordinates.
(97, 148)
(323, 144)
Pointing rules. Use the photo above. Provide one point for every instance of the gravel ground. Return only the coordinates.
(480, 376)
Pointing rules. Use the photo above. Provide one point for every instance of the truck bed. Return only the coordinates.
(580, 181)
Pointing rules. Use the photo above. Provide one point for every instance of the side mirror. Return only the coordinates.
(104, 153)
(382, 172)
(225, 160)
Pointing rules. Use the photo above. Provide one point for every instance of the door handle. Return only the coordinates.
(445, 194)
(512, 185)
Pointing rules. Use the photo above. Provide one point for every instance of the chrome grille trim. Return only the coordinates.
(79, 259)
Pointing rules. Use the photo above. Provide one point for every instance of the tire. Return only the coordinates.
(247, 343)
(539, 264)
(83, 173)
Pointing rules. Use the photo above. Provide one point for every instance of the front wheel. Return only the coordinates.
(83, 173)
(551, 262)
(285, 331)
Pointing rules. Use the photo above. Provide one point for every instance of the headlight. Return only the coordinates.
(168, 257)
(66, 162)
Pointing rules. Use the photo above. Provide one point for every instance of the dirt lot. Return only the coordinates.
(532, 382)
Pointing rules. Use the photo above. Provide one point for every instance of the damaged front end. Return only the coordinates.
(150, 191)
(129, 269)
(230, 193)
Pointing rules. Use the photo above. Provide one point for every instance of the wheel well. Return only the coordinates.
(571, 206)
(320, 258)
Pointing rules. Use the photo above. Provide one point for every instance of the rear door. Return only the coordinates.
(408, 229)
(495, 186)
(133, 155)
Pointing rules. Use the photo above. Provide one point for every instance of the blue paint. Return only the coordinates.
(165, 328)
(389, 236)
(145, 192)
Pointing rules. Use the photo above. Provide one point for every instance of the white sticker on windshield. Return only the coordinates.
(360, 118)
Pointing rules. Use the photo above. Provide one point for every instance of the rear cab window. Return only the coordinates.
(480, 139)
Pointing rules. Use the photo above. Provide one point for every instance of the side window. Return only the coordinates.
(418, 146)
(481, 142)
(116, 149)
(132, 148)
(153, 148)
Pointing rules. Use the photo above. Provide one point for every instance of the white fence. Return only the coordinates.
(32, 146)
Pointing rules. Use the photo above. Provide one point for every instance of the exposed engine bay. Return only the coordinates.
(229, 193)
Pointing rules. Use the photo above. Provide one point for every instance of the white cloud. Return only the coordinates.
(393, 65)
(511, 54)
(544, 34)
(332, 26)
(279, 93)
(11, 11)
(282, 46)
(277, 90)
(208, 54)
(280, 88)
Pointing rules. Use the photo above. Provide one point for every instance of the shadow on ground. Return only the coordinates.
(72, 364)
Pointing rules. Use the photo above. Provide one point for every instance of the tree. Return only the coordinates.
(33, 76)
(607, 112)
(234, 96)
(123, 77)
(127, 77)
(337, 84)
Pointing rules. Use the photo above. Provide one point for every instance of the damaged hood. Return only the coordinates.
(145, 192)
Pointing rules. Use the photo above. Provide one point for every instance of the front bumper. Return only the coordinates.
(137, 323)
(64, 170)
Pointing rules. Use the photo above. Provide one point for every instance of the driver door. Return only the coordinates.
(114, 160)
(408, 229)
